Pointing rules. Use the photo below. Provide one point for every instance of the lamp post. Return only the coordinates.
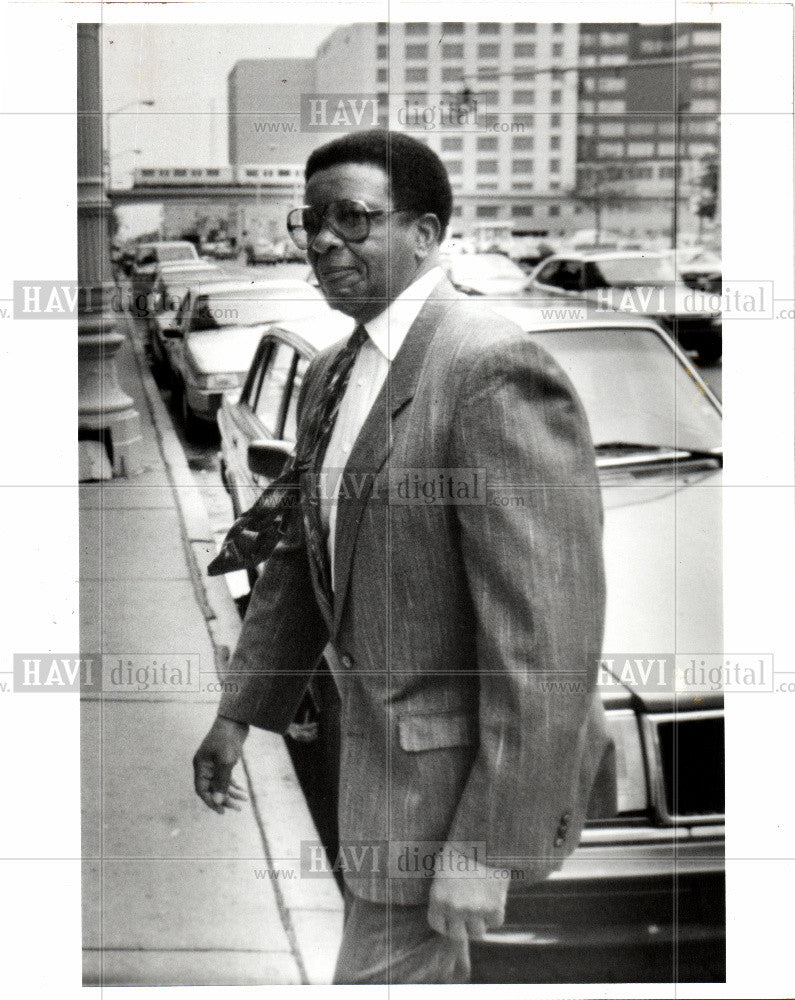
(108, 426)
(148, 103)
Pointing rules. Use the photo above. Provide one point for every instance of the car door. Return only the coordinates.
(263, 412)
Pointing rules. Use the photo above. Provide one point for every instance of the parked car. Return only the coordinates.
(642, 898)
(641, 282)
(263, 251)
(216, 332)
(491, 274)
(170, 287)
(148, 258)
(700, 268)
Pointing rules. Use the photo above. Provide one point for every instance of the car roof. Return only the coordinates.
(232, 285)
(318, 331)
(536, 318)
(597, 255)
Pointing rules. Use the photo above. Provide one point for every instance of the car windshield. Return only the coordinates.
(485, 267)
(634, 389)
(253, 306)
(626, 272)
(182, 252)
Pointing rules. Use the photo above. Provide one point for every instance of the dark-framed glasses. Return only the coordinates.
(346, 218)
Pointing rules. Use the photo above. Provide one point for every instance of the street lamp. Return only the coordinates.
(110, 114)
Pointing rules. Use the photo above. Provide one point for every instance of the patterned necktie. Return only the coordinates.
(254, 535)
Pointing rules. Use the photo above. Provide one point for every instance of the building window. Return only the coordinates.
(383, 75)
(613, 39)
(454, 166)
(524, 97)
(586, 129)
(416, 74)
(704, 105)
(666, 173)
(487, 211)
(611, 84)
(665, 149)
(487, 166)
(416, 52)
(522, 166)
(488, 51)
(611, 130)
(382, 28)
(487, 143)
(553, 211)
(610, 107)
(554, 142)
(381, 51)
(524, 28)
(521, 211)
(556, 97)
(554, 121)
(489, 28)
(557, 51)
(486, 186)
(451, 74)
(524, 50)
(457, 211)
(452, 144)
(415, 28)
(707, 37)
(179, 172)
(489, 120)
(452, 51)
(610, 149)
(252, 173)
(554, 166)
(557, 29)
(383, 98)
(637, 128)
(640, 149)
(523, 122)
(415, 97)
(213, 173)
(452, 28)
(587, 107)
(554, 185)
(489, 97)
(523, 142)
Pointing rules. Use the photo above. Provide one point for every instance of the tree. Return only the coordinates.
(599, 188)
(708, 184)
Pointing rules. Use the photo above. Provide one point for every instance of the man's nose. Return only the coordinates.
(324, 239)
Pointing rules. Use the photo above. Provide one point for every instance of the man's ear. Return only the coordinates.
(427, 229)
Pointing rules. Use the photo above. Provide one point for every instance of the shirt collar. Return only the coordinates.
(388, 330)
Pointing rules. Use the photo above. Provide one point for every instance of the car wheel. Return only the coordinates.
(710, 353)
(190, 422)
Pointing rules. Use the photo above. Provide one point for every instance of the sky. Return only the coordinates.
(184, 68)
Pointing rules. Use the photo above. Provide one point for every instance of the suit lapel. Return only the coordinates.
(374, 443)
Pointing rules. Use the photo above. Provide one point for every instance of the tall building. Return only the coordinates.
(493, 99)
(264, 110)
(649, 113)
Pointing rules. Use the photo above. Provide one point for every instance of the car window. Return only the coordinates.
(290, 432)
(273, 388)
(548, 274)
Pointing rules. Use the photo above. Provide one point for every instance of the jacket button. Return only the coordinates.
(346, 661)
(560, 840)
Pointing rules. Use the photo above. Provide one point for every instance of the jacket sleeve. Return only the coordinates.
(283, 633)
(534, 566)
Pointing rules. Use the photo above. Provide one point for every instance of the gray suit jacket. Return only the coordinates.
(466, 627)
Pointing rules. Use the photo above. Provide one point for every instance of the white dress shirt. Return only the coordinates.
(385, 335)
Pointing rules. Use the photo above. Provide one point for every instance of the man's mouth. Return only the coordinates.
(338, 278)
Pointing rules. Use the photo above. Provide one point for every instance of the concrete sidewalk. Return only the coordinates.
(174, 894)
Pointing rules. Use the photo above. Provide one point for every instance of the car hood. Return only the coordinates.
(229, 349)
(663, 559)
(657, 300)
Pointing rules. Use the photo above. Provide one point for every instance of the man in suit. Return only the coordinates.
(463, 593)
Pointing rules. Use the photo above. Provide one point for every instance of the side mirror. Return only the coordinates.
(268, 457)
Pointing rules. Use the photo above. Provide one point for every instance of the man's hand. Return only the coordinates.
(467, 897)
(212, 765)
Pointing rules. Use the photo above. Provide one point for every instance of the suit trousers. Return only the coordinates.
(384, 944)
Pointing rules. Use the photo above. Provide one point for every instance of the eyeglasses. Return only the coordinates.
(350, 220)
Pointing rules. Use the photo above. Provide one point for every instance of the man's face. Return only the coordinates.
(361, 279)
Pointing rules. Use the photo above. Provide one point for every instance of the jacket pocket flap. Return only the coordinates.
(433, 732)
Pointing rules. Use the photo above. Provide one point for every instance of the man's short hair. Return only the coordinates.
(418, 180)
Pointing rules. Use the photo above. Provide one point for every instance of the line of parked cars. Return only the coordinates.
(643, 897)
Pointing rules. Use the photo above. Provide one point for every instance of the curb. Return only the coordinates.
(314, 924)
